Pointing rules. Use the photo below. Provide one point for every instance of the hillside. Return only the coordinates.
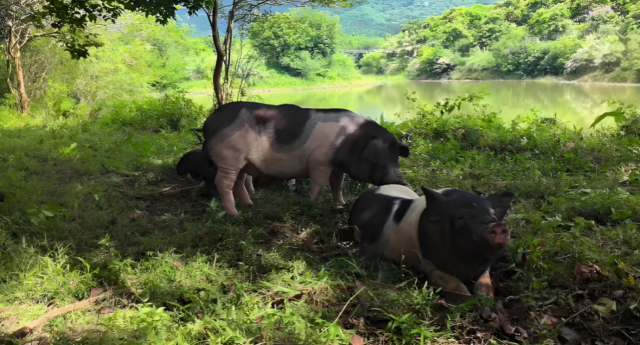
(379, 17)
(373, 18)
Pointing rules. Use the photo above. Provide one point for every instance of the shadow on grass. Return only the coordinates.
(83, 210)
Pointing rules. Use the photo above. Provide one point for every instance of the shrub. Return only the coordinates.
(373, 63)
(171, 112)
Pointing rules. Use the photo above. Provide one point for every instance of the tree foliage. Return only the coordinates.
(525, 39)
(298, 41)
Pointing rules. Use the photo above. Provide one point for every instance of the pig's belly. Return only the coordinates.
(283, 166)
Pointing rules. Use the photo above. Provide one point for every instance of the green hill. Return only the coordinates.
(379, 17)
(373, 18)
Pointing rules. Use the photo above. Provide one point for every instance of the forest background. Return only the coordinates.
(302, 48)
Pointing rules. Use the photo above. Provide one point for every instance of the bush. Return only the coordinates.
(373, 63)
(297, 41)
(479, 65)
(303, 64)
(342, 66)
(171, 112)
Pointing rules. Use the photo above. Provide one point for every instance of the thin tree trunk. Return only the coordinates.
(9, 87)
(22, 89)
(228, 40)
(220, 56)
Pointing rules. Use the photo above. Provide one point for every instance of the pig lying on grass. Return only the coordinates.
(450, 235)
(288, 141)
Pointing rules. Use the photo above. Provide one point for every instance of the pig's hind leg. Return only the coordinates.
(248, 184)
(225, 181)
(240, 189)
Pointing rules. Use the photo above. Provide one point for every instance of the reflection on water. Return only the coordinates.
(575, 103)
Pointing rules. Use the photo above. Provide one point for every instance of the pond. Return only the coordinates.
(577, 103)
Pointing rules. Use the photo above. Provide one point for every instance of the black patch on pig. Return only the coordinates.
(289, 121)
(371, 211)
(221, 118)
(403, 207)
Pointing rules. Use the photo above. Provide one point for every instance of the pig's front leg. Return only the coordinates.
(335, 180)
(483, 286)
(452, 286)
(319, 179)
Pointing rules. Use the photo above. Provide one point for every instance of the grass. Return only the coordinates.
(273, 80)
(91, 216)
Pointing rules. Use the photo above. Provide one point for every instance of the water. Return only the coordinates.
(576, 103)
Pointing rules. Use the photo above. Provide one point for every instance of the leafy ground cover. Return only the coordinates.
(95, 206)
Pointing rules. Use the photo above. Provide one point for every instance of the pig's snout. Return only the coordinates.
(498, 235)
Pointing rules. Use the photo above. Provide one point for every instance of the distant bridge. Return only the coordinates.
(386, 51)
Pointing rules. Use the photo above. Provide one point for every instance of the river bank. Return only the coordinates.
(397, 80)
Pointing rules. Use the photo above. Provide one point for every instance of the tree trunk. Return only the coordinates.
(9, 87)
(22, 89)
(220, 55)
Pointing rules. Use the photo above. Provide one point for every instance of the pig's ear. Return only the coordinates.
(501, 203)
(375, 151)
(403, 149)
(436, 203)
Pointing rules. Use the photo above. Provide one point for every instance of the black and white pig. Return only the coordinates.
(287, 141)
(450, 234)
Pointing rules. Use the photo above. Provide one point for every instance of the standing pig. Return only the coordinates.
(198, 165)
(287, 141)
(450, 234)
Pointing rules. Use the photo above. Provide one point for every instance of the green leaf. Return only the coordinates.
(537, 284)
(47, 213)
(14, 176)
(54, 208)
(605, 306)
(621, 215)
(617, 114)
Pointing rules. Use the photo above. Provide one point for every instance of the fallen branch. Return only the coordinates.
(84, 304)
(174, 191)
(28, 329)
(168, 191)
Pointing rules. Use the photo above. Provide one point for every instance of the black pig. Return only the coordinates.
(198, 165)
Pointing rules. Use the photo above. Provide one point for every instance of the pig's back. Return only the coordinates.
(287, 127)
(388, 217)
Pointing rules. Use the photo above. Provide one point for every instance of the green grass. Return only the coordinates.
(280, 81)
(90, 215)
